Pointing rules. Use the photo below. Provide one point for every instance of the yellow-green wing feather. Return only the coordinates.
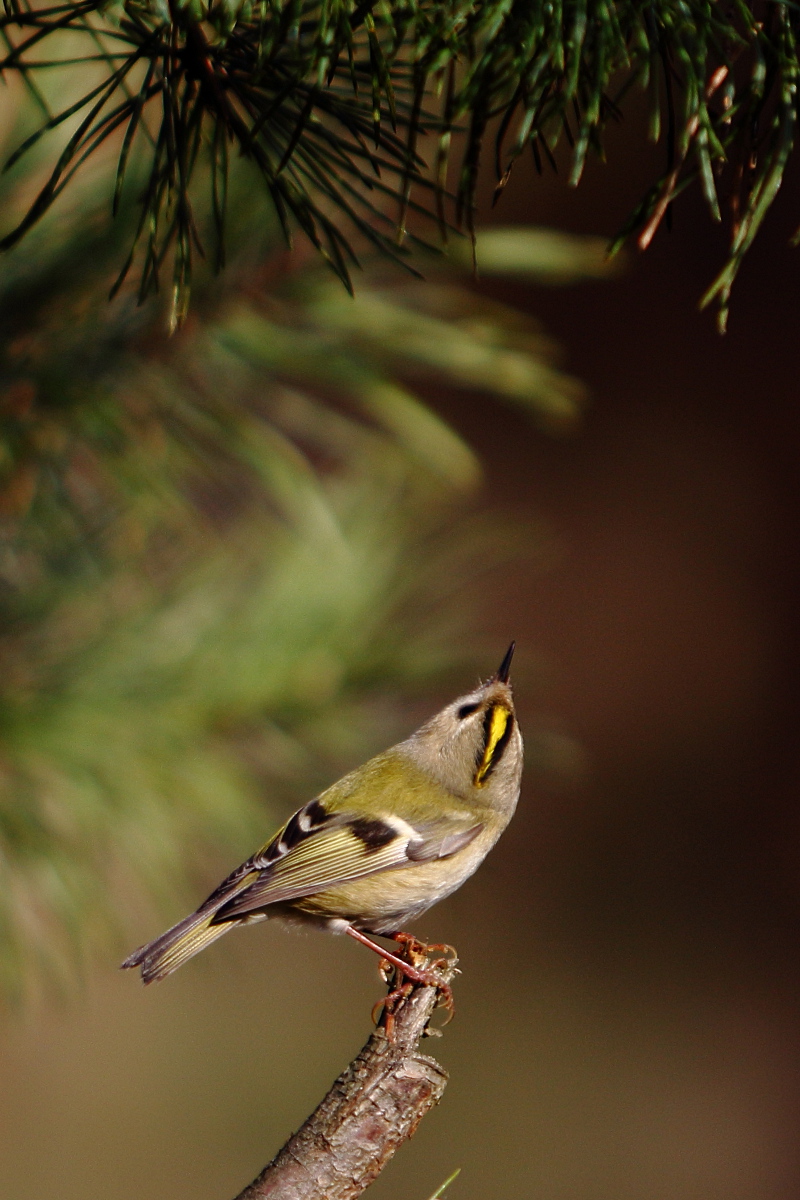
(324, 860)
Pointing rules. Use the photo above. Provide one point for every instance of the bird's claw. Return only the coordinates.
(418, 968)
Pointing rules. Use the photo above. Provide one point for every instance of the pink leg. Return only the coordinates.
(411, 972)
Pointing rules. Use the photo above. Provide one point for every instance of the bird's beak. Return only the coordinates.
(505, 666)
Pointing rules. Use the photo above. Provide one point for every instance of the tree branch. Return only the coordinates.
(373, 1107)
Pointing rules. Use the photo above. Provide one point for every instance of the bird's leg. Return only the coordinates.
(404, 966)
(405, 973)
(407, 970)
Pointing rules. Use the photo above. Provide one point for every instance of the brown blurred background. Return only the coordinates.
(627, 1024)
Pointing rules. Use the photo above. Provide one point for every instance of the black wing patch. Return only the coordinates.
(308, 820)
(374, 833)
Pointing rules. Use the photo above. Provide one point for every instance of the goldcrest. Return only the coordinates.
(378, 848)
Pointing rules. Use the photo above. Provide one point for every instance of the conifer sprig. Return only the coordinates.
(331, 99)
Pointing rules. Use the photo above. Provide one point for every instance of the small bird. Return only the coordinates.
(382, 845)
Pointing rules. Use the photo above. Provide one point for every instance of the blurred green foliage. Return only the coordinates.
(225, 557)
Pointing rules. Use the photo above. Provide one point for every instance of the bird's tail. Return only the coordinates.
(164, 955)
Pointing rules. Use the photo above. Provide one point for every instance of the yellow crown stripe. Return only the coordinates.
(498, 722)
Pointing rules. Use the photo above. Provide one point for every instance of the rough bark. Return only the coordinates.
(373, 1107)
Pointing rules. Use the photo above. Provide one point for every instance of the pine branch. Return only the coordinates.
(330, 99)
(373, 1107)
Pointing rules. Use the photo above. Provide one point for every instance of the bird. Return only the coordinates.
(379, 847)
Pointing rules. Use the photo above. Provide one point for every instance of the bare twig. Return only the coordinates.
(373, 1107)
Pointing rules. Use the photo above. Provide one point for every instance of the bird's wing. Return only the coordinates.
(316, 851)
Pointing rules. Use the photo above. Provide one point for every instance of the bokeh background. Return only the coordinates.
(277, 560)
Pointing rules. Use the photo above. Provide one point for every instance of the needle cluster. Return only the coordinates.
(330, 100)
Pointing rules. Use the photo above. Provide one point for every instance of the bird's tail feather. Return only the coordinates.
(161, 957)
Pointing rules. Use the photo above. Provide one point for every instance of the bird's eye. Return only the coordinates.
(467, 710)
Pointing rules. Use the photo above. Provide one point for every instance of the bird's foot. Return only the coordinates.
(404, 983)
(383, 1010)
(416, 951)
(412, 965)
(422, 964)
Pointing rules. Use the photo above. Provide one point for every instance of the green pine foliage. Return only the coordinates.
(350, 110)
